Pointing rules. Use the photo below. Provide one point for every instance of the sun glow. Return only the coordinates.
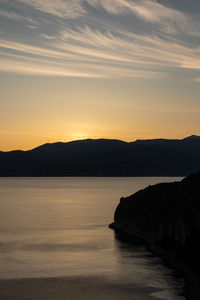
(80, 136)
(119, 69)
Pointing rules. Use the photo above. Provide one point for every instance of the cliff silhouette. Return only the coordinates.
(104, 157)
(166, 217)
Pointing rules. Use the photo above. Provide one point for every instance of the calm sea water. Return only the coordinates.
(55, 242)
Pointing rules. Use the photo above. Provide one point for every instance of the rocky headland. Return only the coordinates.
(166, 217)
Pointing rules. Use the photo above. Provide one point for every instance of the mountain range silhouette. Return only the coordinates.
(106, 157)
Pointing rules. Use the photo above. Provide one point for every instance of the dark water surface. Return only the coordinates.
(55, 243)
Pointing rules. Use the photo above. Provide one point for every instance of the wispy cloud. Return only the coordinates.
(31, 26)
(65, 60)
(170, 20)
(135, 48)
(33, 50)
(23, 67)
(148, 10)
(29, 22)
(60, 8)
(98, 51)
(11, 15)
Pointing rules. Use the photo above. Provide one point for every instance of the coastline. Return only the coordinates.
(165, 218)
(169, 258)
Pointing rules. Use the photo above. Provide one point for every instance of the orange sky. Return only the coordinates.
(96, 69)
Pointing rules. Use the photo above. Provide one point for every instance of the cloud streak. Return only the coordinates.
(65, 9)
(149, 10)
(135, 48)
(38, 69)
(11, 15)
(93, 51)
(169, 19)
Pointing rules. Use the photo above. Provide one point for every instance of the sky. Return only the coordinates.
(76, 69)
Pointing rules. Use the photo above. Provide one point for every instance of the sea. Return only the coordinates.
(55, 243)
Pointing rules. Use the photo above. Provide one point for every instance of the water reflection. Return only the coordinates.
(137, 264)
(54, 232)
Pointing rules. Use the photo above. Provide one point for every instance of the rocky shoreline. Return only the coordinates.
(166, 217)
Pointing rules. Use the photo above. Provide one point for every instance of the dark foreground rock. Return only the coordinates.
(166, 217)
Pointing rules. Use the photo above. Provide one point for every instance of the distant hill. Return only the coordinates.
(105, 157)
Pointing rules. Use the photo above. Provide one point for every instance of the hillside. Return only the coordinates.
(104, 157)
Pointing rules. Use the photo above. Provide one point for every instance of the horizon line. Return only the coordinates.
(103, 138)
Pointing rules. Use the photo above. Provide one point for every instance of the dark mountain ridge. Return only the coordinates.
(105, 157)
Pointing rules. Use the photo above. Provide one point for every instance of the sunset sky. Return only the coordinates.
(76, 69)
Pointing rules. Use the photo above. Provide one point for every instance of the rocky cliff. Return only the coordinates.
(167, 217)
(166, 213)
